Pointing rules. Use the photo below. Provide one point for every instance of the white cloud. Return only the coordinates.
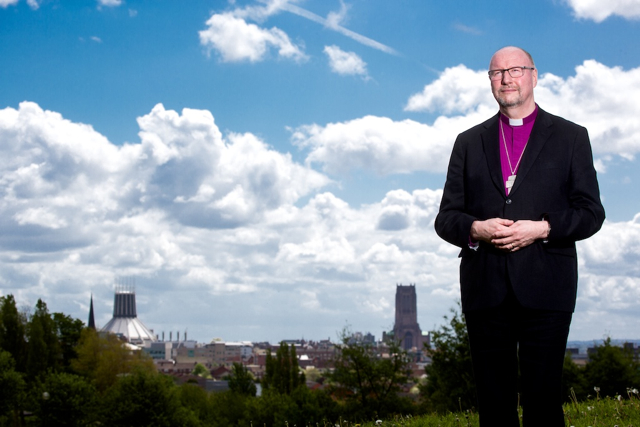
(614, 249)
(458, 90)
(345, 63)
(109, 3)
(195, 216)
(6, 3)
(601, 98)
(336, 19)
(204, 220)
(591, 98)
(600, 10)
(61, 173)
(609, 288)
(236, 40)
(382, 145)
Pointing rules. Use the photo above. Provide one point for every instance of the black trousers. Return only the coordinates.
(509, 338)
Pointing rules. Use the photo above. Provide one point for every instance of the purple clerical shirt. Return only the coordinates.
(516, 135)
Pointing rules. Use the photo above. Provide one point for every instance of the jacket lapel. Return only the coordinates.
(492, 152)
(539, 135)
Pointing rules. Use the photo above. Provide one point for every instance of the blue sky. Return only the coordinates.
(271, 169)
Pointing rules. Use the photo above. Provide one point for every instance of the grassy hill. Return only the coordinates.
(609, 412)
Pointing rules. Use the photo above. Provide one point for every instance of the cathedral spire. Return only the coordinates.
(92, 321)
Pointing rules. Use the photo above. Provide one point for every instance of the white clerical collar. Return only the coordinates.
(516, 122)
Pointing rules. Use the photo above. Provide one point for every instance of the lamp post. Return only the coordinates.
(45, 399)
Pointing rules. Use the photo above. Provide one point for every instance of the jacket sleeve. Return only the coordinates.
(452, 223)
(585, 214)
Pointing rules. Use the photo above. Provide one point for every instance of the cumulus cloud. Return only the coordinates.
(194, 215)
(598, 11)
(614, 249)
(458, 90)
(61, 174)
(463, 98)
(237, 40)
(205, 220)
(382, 145)
(592, 98)
(345, 63)
(609, 288)
(6, 3)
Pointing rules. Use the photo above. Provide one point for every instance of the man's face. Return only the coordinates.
(513, 92)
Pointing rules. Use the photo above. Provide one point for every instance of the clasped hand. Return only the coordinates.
(508, 235)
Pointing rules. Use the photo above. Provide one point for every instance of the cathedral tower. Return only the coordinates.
(406, 328)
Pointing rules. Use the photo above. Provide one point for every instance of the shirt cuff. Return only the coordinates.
(473, 245)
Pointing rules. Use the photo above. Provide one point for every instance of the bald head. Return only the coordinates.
(511, 50)
(514, 94)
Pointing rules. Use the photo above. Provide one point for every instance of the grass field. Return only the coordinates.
(610, 412)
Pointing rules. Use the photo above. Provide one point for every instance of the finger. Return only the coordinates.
(504, 241)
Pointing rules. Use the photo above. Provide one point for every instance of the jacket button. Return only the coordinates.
(508, 201)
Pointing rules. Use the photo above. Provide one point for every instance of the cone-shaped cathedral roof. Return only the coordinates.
(125, 320)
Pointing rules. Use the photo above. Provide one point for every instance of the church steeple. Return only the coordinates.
(92, 321)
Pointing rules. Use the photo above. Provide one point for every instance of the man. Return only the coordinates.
(521, 189)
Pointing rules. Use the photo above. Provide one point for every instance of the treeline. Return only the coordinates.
(56, 372)
(610, 371)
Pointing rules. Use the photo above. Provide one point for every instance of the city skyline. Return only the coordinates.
(272, 168)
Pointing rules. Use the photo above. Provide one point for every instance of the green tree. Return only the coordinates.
(195, 399)
(12, 331)
(43, 350)
(232, 409)
(145, 398)
(70, 401)
(282, 373)
(271, 409)
(450, 384)
(104, 357)
(68, 331)
(612, 369)
(36, 350)
(12, 388)
(241, 380)
(573, 378)
(201, 371)
(368, 382)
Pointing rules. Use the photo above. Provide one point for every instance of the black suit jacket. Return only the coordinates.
(556, 180)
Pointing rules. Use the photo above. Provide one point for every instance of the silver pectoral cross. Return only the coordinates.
(510, 181)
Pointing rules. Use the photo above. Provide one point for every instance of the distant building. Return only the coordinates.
(406, 328)
(160, 350)
(125, 320)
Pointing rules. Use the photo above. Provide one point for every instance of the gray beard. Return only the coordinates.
(505, 104)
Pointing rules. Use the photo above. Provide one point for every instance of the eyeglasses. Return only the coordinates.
(514, 72)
